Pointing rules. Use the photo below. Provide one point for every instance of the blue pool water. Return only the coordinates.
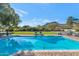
(11, 45)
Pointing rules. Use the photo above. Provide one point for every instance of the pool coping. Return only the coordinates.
(34, 35)
(66, 36)
(47, 53)
(72, 38)
(51, 50)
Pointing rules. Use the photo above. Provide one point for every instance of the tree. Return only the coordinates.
(8, 17)
(26, 28)
(69, 22)
(39, 28)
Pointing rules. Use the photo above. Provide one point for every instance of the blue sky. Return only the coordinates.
(41, 13)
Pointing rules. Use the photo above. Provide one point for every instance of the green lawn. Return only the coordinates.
(23, 32)
(32, 33)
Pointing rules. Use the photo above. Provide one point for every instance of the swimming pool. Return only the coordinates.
(11, 45)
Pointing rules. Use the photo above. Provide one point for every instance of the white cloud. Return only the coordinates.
(46, 20)
(21, 12)
(35, 21)
(38, 21)
(56, 20)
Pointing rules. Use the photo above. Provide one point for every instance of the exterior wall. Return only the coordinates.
(69, 30)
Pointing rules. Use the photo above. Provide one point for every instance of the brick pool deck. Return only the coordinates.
(72, 37)
(48, 53)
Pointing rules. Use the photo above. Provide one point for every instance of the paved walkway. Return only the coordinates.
(48, 53)
(72, 37)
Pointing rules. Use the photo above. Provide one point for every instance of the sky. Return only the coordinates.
(34, 14)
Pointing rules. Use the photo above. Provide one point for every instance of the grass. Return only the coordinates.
(51, 33)
(32, 33)
(23, 33)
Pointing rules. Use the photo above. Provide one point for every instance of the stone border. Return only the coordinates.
(72, 37)
(48, 53)
(34, 35)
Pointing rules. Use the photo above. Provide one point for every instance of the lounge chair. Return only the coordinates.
(69, 33)
(77, 34)
(38, 34)
(60, 33)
